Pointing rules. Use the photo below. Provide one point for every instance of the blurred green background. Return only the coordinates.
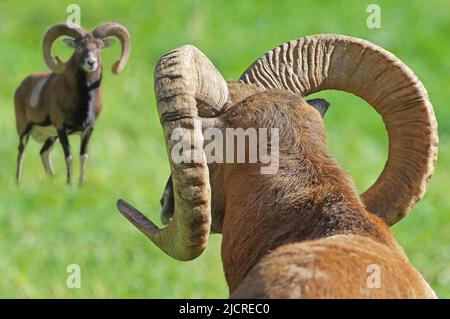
(45, 225)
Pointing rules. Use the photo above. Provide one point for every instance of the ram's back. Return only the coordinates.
(341, 266)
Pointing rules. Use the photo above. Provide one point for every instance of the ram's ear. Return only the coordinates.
(320, 105)
(108, 42)
(69, 42)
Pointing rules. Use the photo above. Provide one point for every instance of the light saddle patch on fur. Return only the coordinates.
(36, 94)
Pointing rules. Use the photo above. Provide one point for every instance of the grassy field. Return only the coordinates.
(45, 225)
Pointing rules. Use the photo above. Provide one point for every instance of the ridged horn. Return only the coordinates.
(321, 62)
(183, 77)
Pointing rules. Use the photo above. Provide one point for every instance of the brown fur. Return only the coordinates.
(302, 232)
(59, 98)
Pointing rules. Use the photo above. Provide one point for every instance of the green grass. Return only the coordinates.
(45, 225)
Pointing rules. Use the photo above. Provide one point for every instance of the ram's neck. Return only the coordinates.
(87, 100)
(308, 197)
(291, 206)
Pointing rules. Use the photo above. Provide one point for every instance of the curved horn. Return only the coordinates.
(115, 29)
(320, 62)
(54, 32)
(183, 77)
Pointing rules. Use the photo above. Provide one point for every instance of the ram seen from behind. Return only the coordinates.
(53, 105)
(302, 232)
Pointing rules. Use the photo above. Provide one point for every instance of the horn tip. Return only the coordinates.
(136, 217)
(116, 68)
(60, 65)
(120, 204)
(124, 207)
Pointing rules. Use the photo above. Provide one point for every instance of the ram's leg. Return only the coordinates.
(64, 140)
(85, 137)
(46, 152)
(23, 140)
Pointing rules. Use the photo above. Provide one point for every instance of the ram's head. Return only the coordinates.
(86, 45)
(188, 86)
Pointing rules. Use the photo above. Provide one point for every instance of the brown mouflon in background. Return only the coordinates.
(303, 232)
(53, 105)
